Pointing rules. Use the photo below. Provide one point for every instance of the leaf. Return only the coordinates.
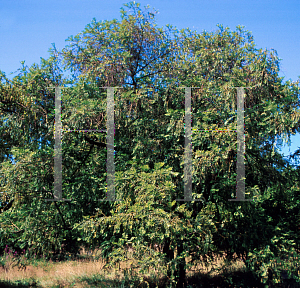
(158, 165)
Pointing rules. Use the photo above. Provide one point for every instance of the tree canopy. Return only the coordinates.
(150, 66)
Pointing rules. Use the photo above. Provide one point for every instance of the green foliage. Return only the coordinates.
(150, 66)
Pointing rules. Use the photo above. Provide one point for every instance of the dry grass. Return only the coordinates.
(74, 273)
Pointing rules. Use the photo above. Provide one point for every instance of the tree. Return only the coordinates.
(149, 144)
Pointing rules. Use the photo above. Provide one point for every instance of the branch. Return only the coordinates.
(7, 206)
(61, 215)
(84, 160)
(152, 60)
(99, 144)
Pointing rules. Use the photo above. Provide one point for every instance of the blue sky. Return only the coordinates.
(28, 27)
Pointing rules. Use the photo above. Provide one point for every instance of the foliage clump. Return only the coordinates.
(150, 66)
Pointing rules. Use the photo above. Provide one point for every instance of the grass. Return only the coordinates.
(87, 271)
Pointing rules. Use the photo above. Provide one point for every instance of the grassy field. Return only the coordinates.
(87, 271)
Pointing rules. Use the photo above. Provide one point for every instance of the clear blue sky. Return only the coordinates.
(28, 27)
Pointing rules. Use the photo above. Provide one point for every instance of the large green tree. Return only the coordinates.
(149, 65)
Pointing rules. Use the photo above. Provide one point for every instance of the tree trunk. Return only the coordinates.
(180, 269)
(169, 255)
